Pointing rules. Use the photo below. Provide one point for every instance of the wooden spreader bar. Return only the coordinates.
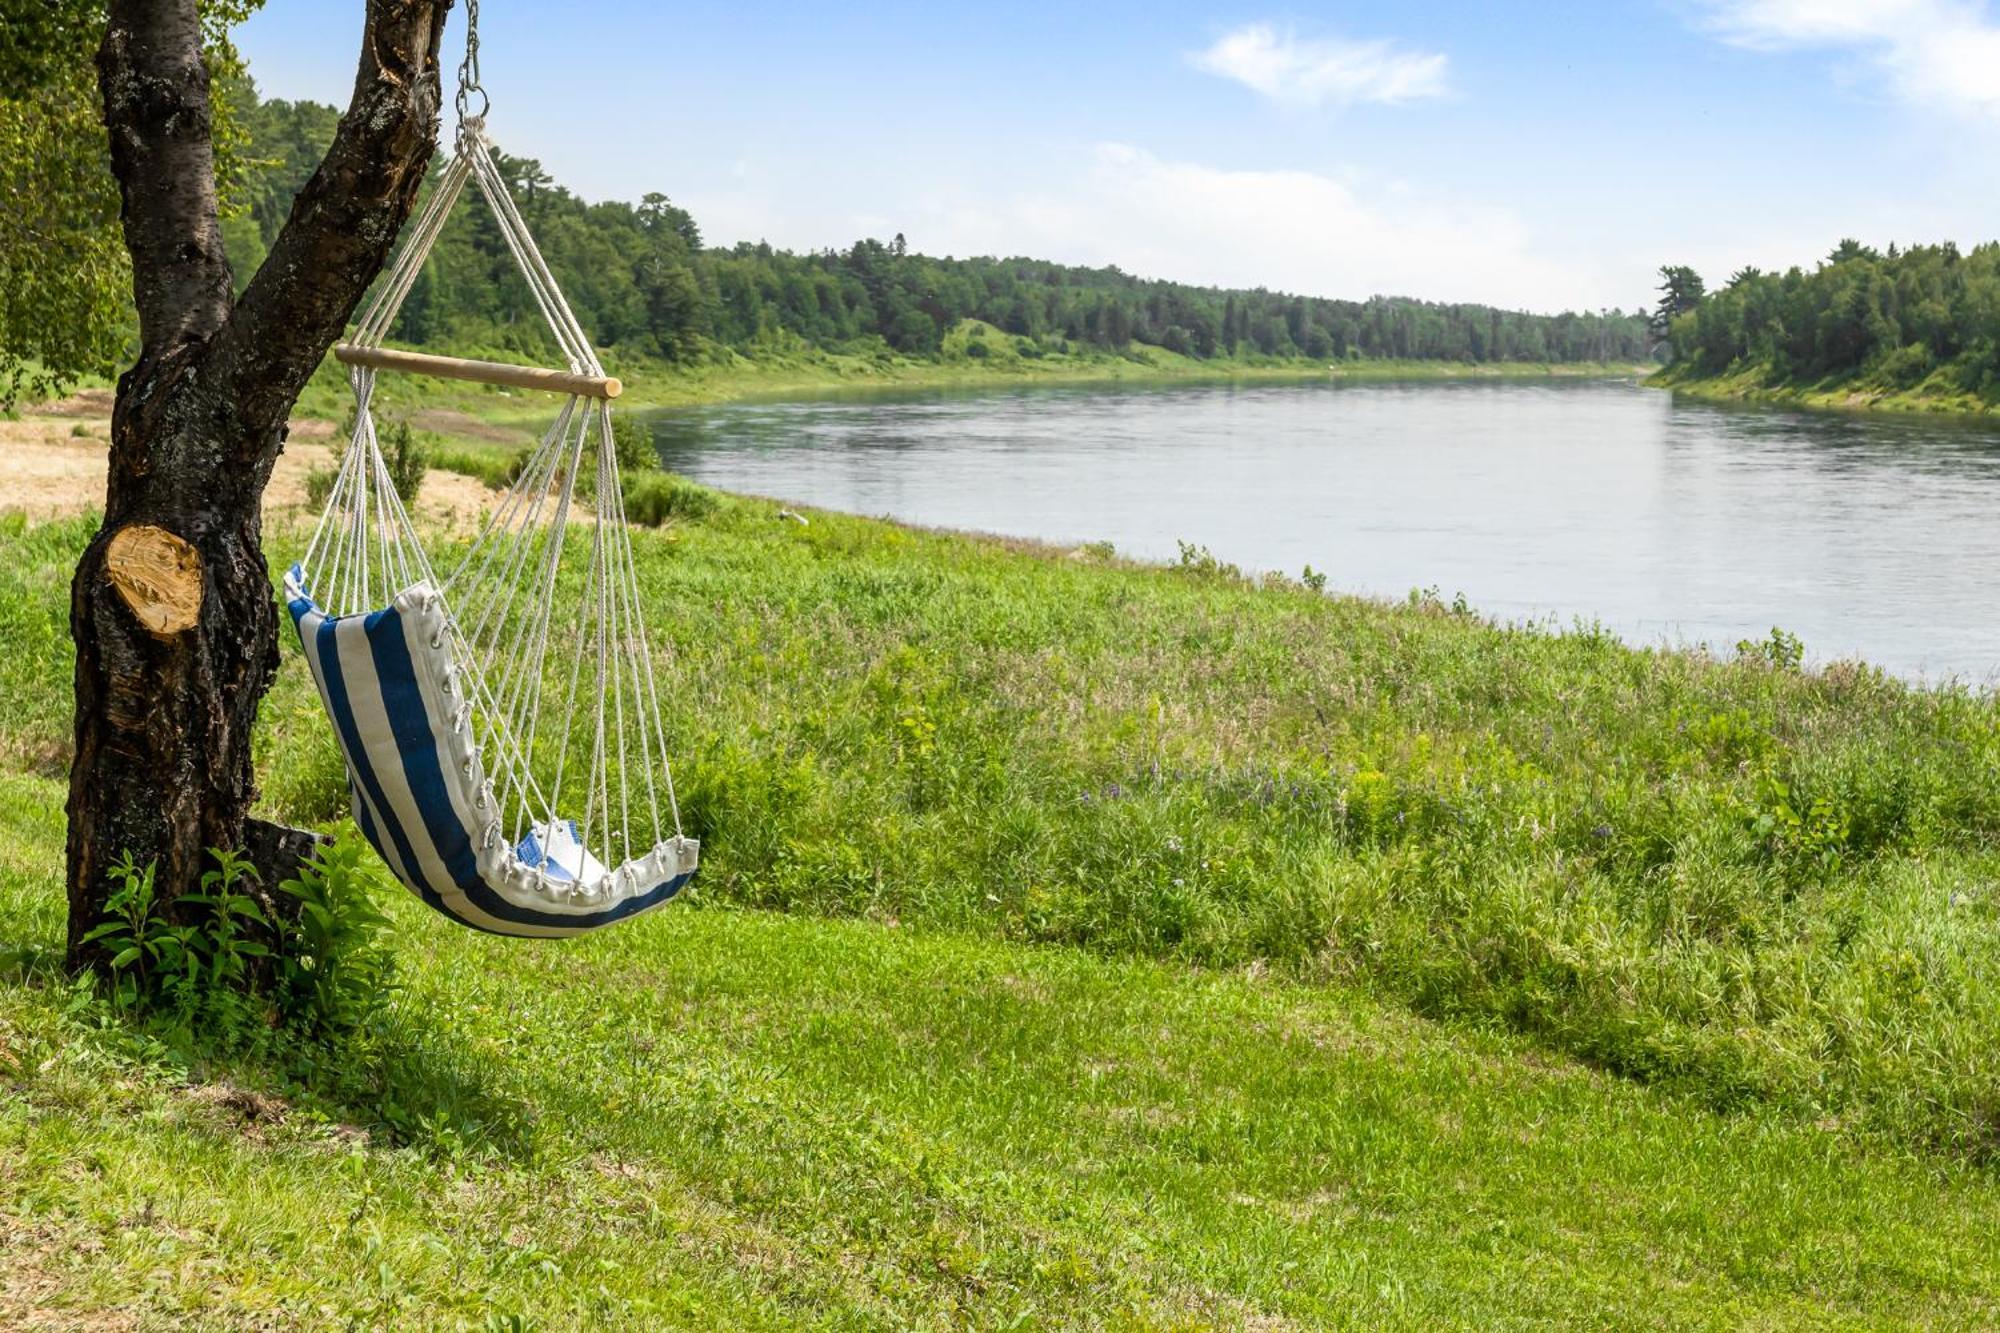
(480, 372)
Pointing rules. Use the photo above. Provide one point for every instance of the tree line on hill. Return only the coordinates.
(1894, 319)
(640, 278)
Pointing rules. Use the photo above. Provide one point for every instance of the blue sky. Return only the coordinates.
(1535, 155)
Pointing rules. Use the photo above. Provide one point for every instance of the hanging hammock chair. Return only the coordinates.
(501, 725)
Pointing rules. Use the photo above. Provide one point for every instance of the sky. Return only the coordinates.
(1538, 156)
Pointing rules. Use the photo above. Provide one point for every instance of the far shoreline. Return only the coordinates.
(1749, 388)
(653, 385)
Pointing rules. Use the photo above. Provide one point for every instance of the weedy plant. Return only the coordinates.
(406, 452)
(654, 498)
(197, 963)
(190, 965)
(632, 442)
(339, 972)
(319, 487)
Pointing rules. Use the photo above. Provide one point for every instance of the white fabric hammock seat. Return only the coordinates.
(461, 763)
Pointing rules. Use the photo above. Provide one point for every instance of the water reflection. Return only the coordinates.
(1668, 520)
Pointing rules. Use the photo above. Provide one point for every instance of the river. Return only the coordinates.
(1669, 521)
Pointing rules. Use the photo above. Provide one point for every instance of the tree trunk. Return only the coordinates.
(172, 609)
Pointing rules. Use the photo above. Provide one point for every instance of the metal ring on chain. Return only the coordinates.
(468, 70)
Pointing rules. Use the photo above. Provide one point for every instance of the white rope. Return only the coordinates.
(522, 623)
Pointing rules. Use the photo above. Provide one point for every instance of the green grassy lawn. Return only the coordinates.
(729, 1118)
(1085, 943)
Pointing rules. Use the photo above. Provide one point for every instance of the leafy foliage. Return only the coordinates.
(1894, 320)
(1681, 290)
(65, 279)
(337, 973)
(407, 454)
(194, 964)
(641, 280)
(656, 497)
(199, 962)
(632, 440)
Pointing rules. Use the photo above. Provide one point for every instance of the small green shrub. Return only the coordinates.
(196, 962)
(407, 454)
(513, 468)
(632, 442)
(192, 966)
(319, 487)
(337, 973)
(1905, 367)
(405, 450)
(1200, 562)
(1782, 651)
(655, 498)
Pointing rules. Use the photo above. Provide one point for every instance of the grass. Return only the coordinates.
(1942, 391)
(742, 1119)
(1085, 942)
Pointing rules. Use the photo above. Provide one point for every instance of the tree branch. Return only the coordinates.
(155, 86)
(343, 223)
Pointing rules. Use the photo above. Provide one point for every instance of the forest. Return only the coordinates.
(1892, 320)
(642, 281)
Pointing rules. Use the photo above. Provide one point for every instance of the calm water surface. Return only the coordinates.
(1667, 520)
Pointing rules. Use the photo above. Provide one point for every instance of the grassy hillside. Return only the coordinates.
(1941, 392)
(1118, 905)
(1908, 329)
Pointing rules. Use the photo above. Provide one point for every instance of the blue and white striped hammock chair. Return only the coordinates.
(507, 806)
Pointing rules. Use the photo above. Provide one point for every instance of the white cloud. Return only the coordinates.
(1942, 53)
(1289, 230)
(1288, 68)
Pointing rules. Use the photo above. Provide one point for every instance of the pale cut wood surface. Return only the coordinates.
(480, 372)
(157, 575)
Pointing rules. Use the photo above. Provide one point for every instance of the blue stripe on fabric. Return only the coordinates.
(535, 858)
(423, 770)
(326, 649)
(398, 855)
(364, 810)
(416, 745)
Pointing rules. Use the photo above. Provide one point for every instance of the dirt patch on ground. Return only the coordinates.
(35, 1273)
(83, 403)
(52, 465)
(463, 426)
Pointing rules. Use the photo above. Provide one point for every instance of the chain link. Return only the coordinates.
(468, 74)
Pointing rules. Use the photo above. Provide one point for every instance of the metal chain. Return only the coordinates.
(468, 74)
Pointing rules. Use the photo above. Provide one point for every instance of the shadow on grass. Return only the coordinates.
(397, 1079)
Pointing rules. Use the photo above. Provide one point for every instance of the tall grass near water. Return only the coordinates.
(1758, 884)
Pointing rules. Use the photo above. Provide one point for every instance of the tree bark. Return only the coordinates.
(172, 610)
